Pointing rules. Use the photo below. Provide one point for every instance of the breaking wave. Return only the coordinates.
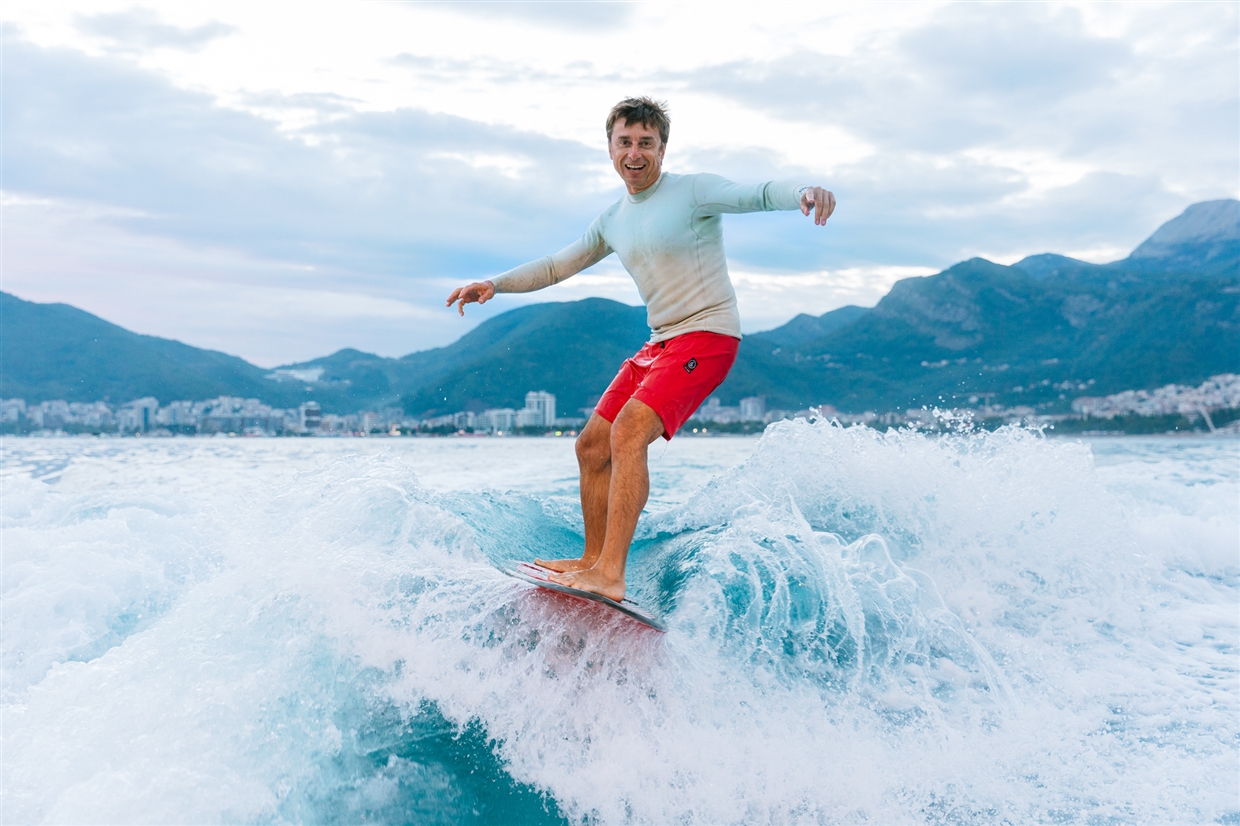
(863, 627)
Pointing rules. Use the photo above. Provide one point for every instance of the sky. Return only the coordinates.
(281, 180)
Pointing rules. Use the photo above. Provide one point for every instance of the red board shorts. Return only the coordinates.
(672, 377)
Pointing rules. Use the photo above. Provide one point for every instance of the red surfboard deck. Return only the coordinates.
(538, 575)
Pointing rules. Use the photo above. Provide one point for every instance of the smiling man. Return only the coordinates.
(668, 232)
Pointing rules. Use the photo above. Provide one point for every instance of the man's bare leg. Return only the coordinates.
(594, 462)
(636, 426)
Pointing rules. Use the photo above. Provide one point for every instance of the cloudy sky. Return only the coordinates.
(280, 180)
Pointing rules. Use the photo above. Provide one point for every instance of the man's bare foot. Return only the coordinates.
(593, 580)
(564, 565)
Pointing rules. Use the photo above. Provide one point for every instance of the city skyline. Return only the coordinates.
(236, 416)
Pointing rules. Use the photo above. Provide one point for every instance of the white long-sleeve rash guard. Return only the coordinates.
(670, 239)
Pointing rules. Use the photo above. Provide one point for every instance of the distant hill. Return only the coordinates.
(54, 351)
(980, 328)
(1040, 332)
(1204, 239)
(805, 328)
(571, 349)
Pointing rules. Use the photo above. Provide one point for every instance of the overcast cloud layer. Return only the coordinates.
(279, 181)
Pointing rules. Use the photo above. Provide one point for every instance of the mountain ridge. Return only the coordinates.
(1048, 321)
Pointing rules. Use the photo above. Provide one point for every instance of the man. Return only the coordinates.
(668, 234)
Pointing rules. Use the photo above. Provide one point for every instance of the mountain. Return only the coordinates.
(1205, 239)
(54, 351)
(1039, 332)
(571, 349)
(980, 329)
(805, 328)
(1049, 266)
(1042, 331)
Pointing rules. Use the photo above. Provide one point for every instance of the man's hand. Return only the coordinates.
(821, 201)
(479, 291)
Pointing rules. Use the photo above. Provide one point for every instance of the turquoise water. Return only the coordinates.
(864, 627)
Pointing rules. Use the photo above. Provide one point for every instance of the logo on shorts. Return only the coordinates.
(690, 365)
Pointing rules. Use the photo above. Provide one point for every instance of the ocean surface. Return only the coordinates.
(863, 628)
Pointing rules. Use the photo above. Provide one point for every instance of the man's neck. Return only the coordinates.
(647, 188)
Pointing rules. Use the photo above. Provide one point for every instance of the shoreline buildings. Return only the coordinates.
(231, 415)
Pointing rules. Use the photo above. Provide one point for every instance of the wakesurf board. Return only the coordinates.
(540, 576)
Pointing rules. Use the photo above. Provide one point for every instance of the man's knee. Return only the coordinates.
(594, 443)
(635, 427)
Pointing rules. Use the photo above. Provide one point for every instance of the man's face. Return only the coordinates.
(637, 153)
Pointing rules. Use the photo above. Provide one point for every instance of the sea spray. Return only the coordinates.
(864, 627)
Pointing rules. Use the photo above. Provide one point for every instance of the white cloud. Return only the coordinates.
(768, 299)
(384, 150)
(269, 312)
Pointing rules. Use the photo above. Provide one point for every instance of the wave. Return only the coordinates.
(863, 627)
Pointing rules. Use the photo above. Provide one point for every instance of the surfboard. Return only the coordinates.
(540, 576)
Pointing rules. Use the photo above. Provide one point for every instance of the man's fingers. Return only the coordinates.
(462, 300)
(824, 201)
(468, 295)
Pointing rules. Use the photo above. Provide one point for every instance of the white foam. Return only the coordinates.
(864, 627)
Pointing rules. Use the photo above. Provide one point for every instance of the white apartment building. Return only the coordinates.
(539, 409)
(530, 418)
(714, 411)
(137, 415)
(753, 409)
(310, 416)
(90, 414)
(50, 414)
(177, 414)
(12, 409)
(333, 423)
(499, 420)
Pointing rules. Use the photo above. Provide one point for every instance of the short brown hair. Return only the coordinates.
(647, 111)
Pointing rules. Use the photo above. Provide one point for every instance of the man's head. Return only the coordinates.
(648, 112)
(637, 130)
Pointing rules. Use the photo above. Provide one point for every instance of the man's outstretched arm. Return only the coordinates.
(536, 275)
(715, 194)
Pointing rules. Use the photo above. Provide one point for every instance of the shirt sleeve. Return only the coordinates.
(582, 254)
(715, 194)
